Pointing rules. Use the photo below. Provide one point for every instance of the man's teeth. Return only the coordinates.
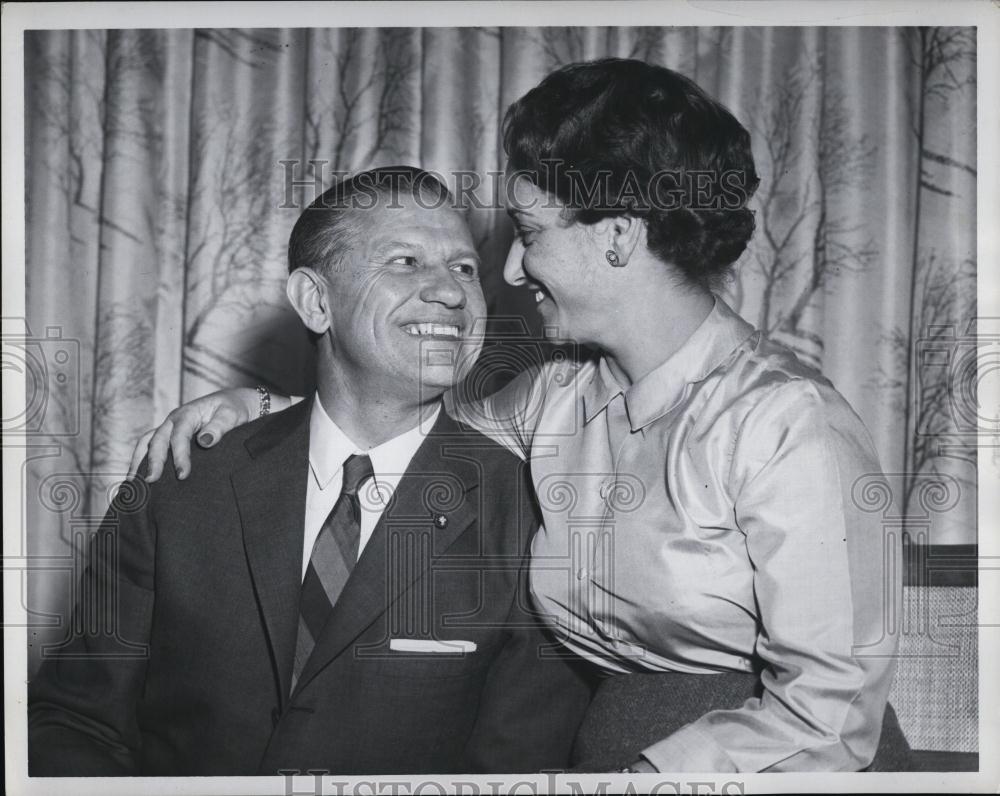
(539, 296)
(437, 329)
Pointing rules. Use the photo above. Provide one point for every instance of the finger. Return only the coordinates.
(139, 452)
(186, 425)
(157, 450)
(224, 419)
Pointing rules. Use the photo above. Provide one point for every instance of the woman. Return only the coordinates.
(695, 479)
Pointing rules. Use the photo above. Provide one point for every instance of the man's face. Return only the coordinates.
(406, 307)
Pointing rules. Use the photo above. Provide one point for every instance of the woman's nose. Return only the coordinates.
(513, 270)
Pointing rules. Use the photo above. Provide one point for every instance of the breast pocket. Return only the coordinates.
(451, 623)
(431, 658)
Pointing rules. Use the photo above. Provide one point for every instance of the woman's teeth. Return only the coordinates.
(436, 329)
(539, 296)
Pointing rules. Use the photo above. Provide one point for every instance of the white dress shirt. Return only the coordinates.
(329, 448)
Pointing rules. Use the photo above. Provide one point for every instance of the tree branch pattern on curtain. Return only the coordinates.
(165, 169)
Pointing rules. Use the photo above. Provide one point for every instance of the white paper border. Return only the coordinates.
(18, 17)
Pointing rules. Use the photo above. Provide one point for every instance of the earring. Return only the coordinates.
(613, 260)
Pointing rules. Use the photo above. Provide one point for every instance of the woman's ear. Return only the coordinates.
(305, 292)
(624, 235)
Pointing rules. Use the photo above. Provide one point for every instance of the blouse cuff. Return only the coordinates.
(689, 750)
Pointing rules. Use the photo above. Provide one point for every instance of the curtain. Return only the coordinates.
(165, 169)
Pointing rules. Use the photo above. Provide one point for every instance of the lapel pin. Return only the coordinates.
(441, 521)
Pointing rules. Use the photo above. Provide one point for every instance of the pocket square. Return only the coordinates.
(431, 645)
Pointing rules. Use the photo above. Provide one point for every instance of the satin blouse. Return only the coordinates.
(706, 519)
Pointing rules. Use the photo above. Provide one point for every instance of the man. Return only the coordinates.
(338, 591)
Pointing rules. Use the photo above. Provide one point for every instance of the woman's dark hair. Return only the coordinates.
(623, 137)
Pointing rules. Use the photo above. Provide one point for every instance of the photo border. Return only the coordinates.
(18, 17)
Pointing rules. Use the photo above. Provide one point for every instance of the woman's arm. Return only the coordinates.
(823, 573)
(508, 416)
(210, 417)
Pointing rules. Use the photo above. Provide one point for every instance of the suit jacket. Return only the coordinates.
(189, 671)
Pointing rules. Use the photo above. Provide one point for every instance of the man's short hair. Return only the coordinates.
(329, 226)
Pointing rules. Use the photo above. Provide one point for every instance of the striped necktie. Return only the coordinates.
(333, 557)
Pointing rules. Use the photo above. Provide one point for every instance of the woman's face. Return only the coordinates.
(555, 260)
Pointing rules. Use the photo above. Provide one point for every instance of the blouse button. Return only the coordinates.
(581, 573)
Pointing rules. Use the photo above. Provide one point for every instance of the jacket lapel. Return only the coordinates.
(439, 483)
(271, 494)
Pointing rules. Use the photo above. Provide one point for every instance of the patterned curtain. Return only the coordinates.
(165, 169)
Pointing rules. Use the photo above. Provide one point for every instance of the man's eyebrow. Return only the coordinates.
(397, 244)
(414, 246)
(400, 243)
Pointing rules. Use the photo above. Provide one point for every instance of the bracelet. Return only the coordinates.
(265, 400)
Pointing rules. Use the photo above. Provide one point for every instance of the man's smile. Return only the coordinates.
(446, 331)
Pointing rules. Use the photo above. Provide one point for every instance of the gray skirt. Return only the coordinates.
(630, 712)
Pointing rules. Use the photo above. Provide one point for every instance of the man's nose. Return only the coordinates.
(443, 288)
(513, 271)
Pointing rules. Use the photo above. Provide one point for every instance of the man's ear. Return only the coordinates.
(306, 293)
(622, 235)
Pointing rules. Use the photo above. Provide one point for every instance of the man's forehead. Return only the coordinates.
(425, 230)
(418, 221)
(385, 212)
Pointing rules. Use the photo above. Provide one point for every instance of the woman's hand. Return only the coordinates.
(209, 417)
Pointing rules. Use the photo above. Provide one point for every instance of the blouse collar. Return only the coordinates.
(660, 390)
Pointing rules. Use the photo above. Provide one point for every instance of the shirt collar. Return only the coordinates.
(600, 391)
(329, 448)
(661, 389)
